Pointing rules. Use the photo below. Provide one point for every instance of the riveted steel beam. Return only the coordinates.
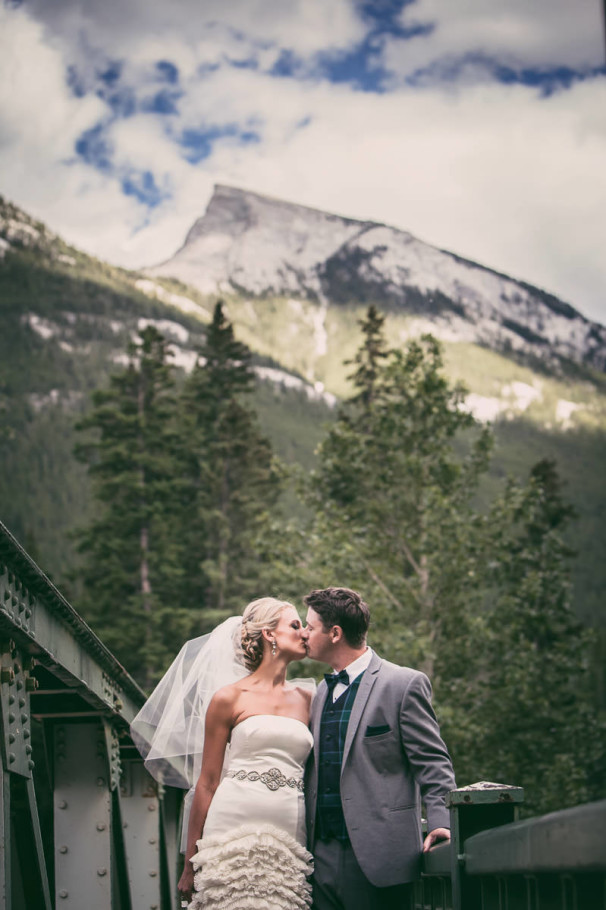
(140, 810)
(82, 801)
(45, 626)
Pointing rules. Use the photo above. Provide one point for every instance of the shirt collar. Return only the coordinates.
(358, 665)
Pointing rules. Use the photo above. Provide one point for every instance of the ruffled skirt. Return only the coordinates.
(255, 867)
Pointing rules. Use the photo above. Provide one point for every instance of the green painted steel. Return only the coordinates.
(494, 862)
(65, 708)
(573, 840)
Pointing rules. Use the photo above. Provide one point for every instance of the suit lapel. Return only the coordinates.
(364, 690)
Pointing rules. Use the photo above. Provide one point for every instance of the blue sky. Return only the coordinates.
(477, 125)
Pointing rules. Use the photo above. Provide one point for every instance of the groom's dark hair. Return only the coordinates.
(341, 607)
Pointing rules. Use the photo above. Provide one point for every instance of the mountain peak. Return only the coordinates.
(259, 246)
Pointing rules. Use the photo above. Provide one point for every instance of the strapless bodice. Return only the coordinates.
(264, 741)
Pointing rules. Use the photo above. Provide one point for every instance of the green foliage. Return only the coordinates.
(534, 721)
(479, 598)
(129, 565)
(391, 483)
(232, 481)
(185, 485)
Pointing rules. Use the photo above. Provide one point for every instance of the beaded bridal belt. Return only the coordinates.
(273, 779)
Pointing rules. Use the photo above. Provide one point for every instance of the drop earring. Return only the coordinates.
(273, 648)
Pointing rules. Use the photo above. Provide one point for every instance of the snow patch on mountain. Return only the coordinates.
(184, 359)
(42, 327)
(167, 328)
(65, 259)
(314, 392)
(68, 400)
(564, 412)
(185, 304)
(515, 398)
(483, 407)
(521, 394)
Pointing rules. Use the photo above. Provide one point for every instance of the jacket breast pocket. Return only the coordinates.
(374, 740)
(377, 730)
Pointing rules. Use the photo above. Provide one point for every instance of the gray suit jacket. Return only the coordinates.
(394, 757)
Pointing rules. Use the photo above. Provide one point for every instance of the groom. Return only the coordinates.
(377, 754)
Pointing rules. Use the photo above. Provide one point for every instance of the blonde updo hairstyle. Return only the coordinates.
(260, 614)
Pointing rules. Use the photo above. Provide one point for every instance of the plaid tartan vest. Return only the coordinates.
(333, 730)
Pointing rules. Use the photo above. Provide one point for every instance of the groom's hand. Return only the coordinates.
(437, 836)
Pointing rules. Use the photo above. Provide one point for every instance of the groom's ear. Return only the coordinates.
(336, 635)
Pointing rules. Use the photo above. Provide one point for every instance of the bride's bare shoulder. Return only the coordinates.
(225, 698)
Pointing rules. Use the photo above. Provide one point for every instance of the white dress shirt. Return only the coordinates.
(354, 669)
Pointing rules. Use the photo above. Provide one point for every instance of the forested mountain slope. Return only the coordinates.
(66, 319)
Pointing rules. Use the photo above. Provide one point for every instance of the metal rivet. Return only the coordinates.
(28, 749)
(101, 872)
(63, 849)
(26, 734)
(11, 738)
(11, 717)
(62, 893)
(24, 718)
(21, 701)
(151, 807)
(100, 826)
(63, 804)
(11, 757)
(31, 765)
(100, 782)
(11, 699)
(152, 840)
(153, 873)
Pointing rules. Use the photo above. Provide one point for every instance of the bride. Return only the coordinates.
(245, 844)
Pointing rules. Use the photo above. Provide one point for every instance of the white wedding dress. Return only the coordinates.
(252, 853)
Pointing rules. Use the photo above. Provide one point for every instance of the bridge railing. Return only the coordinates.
(496, 862)
(82, 824)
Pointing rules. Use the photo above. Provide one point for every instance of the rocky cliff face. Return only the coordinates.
(259, 246)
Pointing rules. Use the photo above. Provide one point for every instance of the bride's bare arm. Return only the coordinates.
(216, 734)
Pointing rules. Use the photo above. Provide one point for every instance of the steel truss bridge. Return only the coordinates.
(84, 827)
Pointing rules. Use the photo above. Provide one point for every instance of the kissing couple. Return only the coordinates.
(298, 799)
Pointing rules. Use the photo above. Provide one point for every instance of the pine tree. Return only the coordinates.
(129, 567)
(233, 481)
(533, 693)
(394, 497)
(479, 599)
(369, 358)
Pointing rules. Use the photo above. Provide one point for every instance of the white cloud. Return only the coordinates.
(540, 33)
(299, 25)
(493, 173)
